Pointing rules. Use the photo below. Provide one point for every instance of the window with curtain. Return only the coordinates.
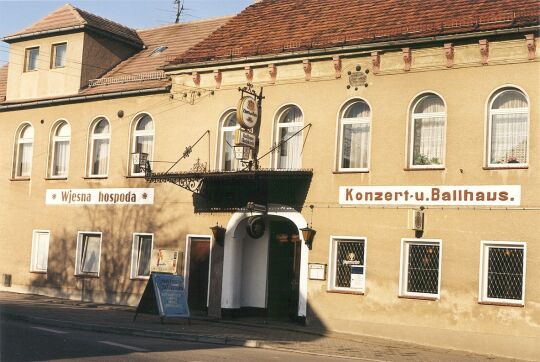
(143, 140)
(508, 129)
(60, 150)
(428, 124)
(228, 161)
(23, 151)
(99, 144)
(88, 254)
(289, 153)
(141, 256)
(354, 140)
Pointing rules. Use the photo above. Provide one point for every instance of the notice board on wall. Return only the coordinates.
(164, 295)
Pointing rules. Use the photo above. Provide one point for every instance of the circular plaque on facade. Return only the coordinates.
(247, 112)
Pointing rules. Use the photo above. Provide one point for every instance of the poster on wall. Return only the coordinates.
(164, 261)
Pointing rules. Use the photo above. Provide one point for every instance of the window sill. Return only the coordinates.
(87, 276)
(523, 167)
(345, 292)
(139, 278)
(424, 169)
(56, 178)
(502, 304)
(38, 272)
(418, 297)
(20, 179)
(135, 176)
(95, 177)
(352, 171)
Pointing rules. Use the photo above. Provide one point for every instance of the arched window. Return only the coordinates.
(354, 136)
(427, 132)
(508, 125)
(60, 140)
(100, 135)
(142, 140)
(289, 153)
(227, 159)
(23, 151)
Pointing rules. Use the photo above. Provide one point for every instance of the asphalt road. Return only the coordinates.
(21, 341)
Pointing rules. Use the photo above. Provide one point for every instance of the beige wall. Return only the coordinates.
(455, 320)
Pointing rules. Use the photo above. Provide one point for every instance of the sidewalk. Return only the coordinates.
(274, 335)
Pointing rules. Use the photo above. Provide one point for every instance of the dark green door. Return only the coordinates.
(283, 271)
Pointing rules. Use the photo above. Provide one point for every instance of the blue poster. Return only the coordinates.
(171, 296)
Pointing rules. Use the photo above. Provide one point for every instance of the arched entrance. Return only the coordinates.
(266, 275)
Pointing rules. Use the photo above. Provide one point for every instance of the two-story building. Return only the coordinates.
(394, 181)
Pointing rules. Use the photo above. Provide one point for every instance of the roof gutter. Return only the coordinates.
(347, 48)
(52, 102)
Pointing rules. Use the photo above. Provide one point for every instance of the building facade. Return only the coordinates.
(412, 151)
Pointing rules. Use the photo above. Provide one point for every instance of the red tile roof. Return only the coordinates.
(176, 37)
(69, 16)
(276, 26)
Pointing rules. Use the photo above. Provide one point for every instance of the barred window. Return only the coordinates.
(420, 268)
(503, 272)
(348, 264)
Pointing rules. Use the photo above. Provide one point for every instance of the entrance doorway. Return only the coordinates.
(284, 252)
(198, 272)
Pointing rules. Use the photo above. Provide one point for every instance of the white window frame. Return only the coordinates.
(90, 149)
(277, 127)
(135, 256)
(485, 245)
(221, 141)
(332, 254)
(413, 117)
(52, 148)
(404, 267)
(53, 55)
(134, 134)
(16, 155)
(360, 120)
(78, 254)
(33, 257)
(27, 59)
(490, 113)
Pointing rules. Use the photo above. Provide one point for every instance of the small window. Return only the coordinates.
(427, 132)
(40, 251)
(289, 124)
(60, 149)
(23, 151)
(142, 141)
(228, 127)
(99, 148)
(160, 49)
(508, 129)
(141, 255)
(354, 137)
(420, 271)
(31, 59)
(88, 253)
(58, 59)
(502, 272)
(347, 260)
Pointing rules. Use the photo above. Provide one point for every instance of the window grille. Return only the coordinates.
(349, 255)
(505, 273)
(423, 269)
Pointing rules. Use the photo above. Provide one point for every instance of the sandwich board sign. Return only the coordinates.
(164, 295)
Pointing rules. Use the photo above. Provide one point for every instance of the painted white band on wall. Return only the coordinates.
(121, 196)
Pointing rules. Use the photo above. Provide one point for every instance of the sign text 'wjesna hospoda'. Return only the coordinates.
(120, 196)
(486, 195)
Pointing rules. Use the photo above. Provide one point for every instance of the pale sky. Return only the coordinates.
(16, 15)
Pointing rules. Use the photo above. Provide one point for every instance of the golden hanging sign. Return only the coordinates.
(247, 112)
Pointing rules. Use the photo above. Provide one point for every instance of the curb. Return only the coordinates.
(200, 338)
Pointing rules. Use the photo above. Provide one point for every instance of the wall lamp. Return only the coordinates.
(308, 232)
(219, 234)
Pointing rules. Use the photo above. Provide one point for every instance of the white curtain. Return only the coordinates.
(355, 148)
(60, 55)
(143, 144)
(428, 131)
(25, 159)
(90, 253)
(100, 161)
(61, 155)
(229, 162)
(509, 123)
(41, 251)
(289, 153)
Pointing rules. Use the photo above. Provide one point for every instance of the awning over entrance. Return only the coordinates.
(217, 191)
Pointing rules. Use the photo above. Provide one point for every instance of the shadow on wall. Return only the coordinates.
(117, 224)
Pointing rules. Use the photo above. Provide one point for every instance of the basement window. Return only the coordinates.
(160, 49)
